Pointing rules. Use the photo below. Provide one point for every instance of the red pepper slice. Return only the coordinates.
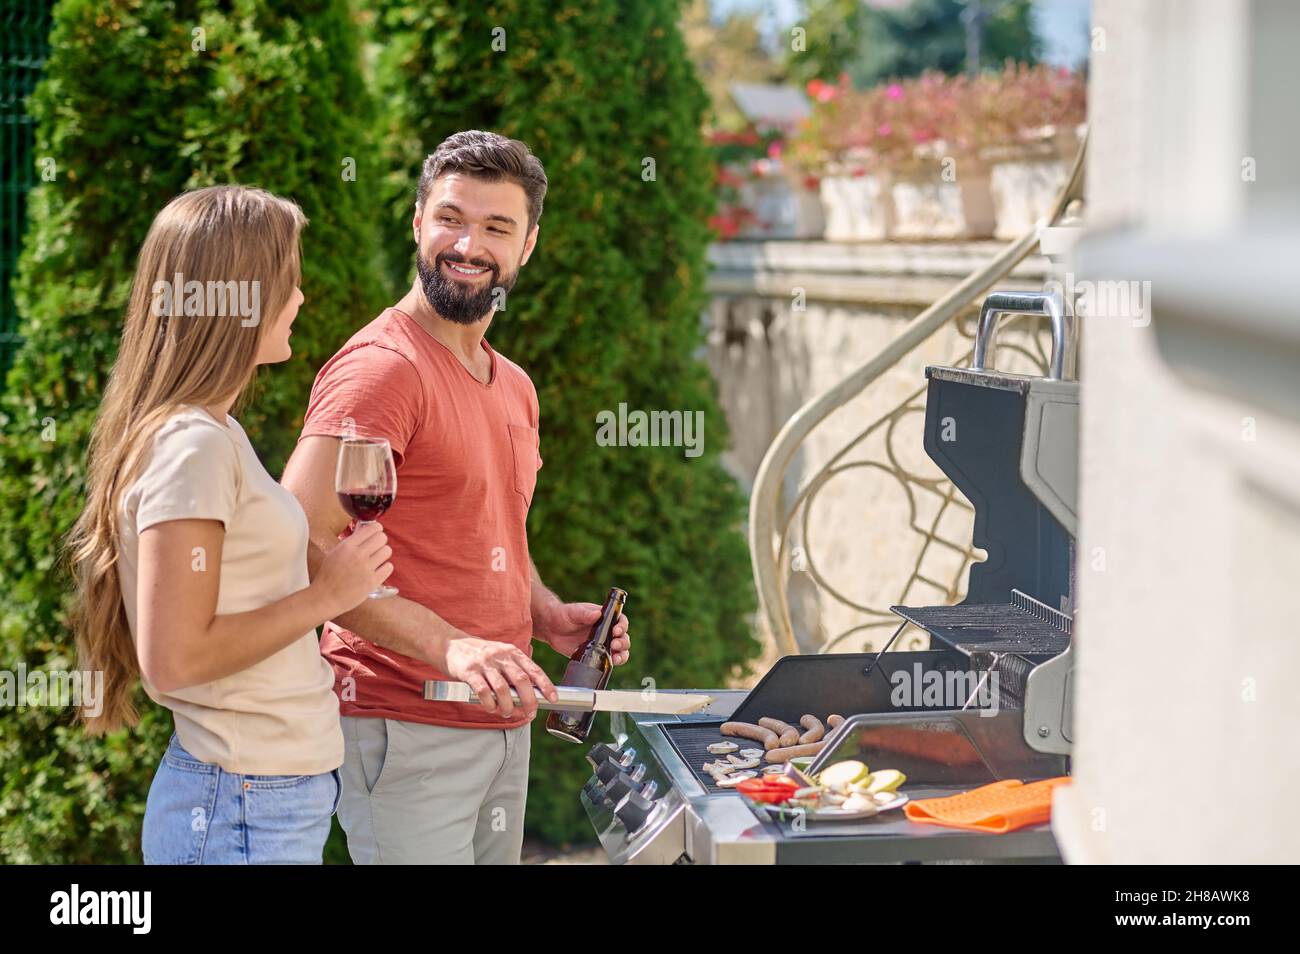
(769, 796)
(778, 785)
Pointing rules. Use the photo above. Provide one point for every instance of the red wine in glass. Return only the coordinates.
(366, 483)
(363, 505)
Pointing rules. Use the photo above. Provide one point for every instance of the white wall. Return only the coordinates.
(1187, 715)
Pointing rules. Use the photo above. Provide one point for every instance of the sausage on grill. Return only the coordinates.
(787, 733)
(815, 730)
(745, 730)
(789, 752)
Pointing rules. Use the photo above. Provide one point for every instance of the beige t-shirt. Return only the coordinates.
(280, 716)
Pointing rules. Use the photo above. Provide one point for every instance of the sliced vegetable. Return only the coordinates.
(842, 774)
(886, 780)
(768, 783)
(767, 789)
(731, 781)
(860, 803)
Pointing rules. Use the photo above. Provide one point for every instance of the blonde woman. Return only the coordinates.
(191, 561)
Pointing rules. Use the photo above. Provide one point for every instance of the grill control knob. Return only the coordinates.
(624, 784)
(633, 810)
(600, 753)
(635, 807)
(608, 770)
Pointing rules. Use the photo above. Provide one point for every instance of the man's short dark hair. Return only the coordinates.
(487, 156)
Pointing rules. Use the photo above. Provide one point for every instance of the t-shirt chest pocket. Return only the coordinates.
(523, 446)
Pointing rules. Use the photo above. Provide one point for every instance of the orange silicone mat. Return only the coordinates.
(998, 808)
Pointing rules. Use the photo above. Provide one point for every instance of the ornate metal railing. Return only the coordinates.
(937, 539)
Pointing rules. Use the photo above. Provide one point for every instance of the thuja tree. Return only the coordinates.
(140, 101)
(606, 313)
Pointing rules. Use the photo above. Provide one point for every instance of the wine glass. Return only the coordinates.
(366, 483)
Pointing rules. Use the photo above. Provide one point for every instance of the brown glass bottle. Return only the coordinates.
(589, 667)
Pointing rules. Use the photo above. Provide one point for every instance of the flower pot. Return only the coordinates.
(1025, 178)
(784, 208)
(943, 199)
(857, 208)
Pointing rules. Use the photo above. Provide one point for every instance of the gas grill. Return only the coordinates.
(990, 700)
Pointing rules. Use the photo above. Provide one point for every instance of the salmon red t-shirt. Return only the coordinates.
(467, 459)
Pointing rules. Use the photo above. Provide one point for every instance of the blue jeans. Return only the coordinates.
(200, 814)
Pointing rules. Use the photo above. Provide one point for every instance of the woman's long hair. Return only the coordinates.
(169, 358)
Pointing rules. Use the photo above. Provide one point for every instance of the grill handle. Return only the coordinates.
(1065, 344)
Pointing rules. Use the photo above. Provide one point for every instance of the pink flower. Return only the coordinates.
(894, 91)
(774, 150)
(884, 129)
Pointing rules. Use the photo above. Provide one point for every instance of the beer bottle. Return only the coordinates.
(589, 667)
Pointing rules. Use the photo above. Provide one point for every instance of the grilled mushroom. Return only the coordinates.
(731, 781)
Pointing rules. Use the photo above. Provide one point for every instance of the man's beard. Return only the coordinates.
(459, 301)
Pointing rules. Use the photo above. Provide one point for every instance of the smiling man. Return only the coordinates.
(443, 782)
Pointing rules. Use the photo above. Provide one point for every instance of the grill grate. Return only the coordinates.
(1013, 672)
(692, 741)
(1024, 626)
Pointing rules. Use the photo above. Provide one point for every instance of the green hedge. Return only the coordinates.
(608, 310)
(133, 116)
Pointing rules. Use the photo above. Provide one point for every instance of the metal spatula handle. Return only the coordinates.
(570, 697)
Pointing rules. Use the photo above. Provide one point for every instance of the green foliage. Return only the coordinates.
(606, 311)
(835, 38)
(870, 45)
(133, 115)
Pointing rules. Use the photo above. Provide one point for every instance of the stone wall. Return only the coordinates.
(787, 321)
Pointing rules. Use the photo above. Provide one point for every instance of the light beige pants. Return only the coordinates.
(428, 794)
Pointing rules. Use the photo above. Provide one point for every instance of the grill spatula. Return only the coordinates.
(578, 699)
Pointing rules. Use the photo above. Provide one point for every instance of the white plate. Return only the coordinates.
(831, 814)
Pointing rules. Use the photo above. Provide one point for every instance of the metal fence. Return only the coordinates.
(24, 44)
